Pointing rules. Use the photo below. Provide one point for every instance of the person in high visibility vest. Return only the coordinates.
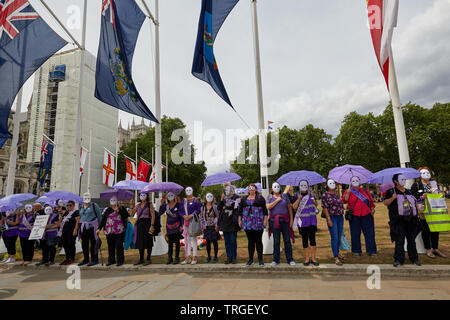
(420, 190)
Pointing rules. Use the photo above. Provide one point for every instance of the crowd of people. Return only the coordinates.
(282, 213)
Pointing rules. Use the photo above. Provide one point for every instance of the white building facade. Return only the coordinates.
(54, 110)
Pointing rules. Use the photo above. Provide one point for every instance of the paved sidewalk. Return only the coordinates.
(226, 282)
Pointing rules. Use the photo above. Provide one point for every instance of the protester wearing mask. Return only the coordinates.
(229, 221)
(25, 220)
(403, 220)
(192, 207)
(68, 232)
(280, 222)
(209, 219)
(361, 204)
(420, 190)
(253, 219)
(10, 235)
(306, 221)
(333, 208)
(114, 222)
(174, 225)
(90, 218)
(49, 240)
(144, 227)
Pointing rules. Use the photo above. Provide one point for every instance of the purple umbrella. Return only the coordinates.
(385, 187)
(119, 193)
(345, 173)
(293, 178)
(63, 195)
(9, 206)
(130, 185)
(163, 187)
(17, 197)
(46, 200)
(385, 176)
(220, 178)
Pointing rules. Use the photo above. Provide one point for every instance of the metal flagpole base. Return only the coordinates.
(160, 246)
(267, 243)
(419, 244)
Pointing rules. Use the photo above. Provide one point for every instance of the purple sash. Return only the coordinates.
(26, 223)
(65, 219)
(361, 197)
(85, 224)
(300, 208)
(406, 203)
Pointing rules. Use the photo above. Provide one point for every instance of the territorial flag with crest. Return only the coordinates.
(204, 67)
(121, 22)
(26, 42)
(46, 161)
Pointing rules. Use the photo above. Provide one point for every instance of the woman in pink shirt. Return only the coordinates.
(362, 207)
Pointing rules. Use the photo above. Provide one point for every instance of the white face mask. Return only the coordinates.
(331, 184)
(355, 182)
(48, 210)
(87, 199)
(425, 174)
(170, 196)
(9, 213)
(143, 196)
(209, 197)
(60, 203)
(189, 191)
(113, 201)
(401, 180)
(227, 190)
(303, 186)
(28, 208)
(276, 187)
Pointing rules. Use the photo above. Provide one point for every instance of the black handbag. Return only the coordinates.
(349, 212)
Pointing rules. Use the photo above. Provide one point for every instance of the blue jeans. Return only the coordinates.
(230, 244)
(367, 225)
(335, 232)
(276, 233)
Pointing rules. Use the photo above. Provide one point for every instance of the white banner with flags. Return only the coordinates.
(109, 169)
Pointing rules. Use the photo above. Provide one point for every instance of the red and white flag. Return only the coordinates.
(109, 169)
(83, 154)
(153, 175)
(130, 167)
(143, 170)
(382, 21)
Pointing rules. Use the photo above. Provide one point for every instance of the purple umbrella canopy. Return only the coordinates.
(385, 176)
(120, 194)
(17, 197)
(163, 187)
(345, 173)
(219, 178)
(9, 206)
(63, 195)
(130, 185)
(46, 200)
(293, 178)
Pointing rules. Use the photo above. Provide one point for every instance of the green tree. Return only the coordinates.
(184, 174)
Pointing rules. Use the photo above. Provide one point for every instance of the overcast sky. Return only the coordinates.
(318, 63)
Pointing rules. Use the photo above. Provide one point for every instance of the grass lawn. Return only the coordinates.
(384, 246)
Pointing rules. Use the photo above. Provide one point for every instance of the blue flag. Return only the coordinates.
(2, 142)
(121, 23)
(26, 42)
(204, 67)
(46, 161)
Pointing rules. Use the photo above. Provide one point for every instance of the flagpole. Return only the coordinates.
(398, 114)
(78, 136)
(157, 99)
(116, 173)
(261, 123)
(89, 167)
(13, 149)
(167, 166)
(135, 191)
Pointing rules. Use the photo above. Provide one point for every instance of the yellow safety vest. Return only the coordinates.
(436, 213)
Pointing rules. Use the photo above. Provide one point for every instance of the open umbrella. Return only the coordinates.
(63, 195)
(18, 197)
(46, 200)
(120, 194)
(130, 185)
(345, 173)
(220, 178)
(9, 206)
(385, 176)
(293, 178)
(163, 187)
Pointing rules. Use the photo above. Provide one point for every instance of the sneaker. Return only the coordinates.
(274, 264)
(82, 263)
(40, 263)
(194, 261)
(92, 263)
(49, 263)
(249, 263)
(185, 261)
(292, 263)
(215, 260)
(4, 261)
(261, 263)
(397, 263)
(176, 261)
(208, 260)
